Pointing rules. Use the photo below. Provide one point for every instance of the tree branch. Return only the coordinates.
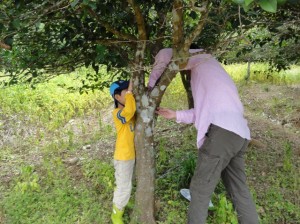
(198, 29)
(181, 46)
(179, 57)
(138, 76)
(139, 20)
(177, 22)
(109, 42)
(39, 15)
(4, 46)
(107, 26)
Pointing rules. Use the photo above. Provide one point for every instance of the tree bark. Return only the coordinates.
(186, 81)
(247, 76)
(4, 46)
(145, 156)
(147, 102)
(144, 211)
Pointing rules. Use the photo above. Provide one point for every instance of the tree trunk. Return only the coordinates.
(247, 76)
(186, 81)
(144, 211)
(145, 163)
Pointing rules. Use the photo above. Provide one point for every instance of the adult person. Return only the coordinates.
(222, 134)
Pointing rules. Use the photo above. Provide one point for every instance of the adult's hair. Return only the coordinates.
(194, 46)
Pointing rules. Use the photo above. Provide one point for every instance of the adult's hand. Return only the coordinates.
(166, 113)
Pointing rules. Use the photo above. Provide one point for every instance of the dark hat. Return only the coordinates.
(118, 85)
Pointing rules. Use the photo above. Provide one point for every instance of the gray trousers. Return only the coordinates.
(221, 156)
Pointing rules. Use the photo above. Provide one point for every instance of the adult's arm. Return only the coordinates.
(162, 59)
(185, 116)
(181, 116)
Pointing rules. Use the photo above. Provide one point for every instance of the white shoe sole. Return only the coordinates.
(187, 195)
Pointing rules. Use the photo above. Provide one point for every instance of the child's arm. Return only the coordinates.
(129, 110)
(130, 87)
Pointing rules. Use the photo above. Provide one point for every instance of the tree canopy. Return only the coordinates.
(42, 39)
(46, 38)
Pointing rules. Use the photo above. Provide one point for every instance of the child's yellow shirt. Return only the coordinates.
(124, 120)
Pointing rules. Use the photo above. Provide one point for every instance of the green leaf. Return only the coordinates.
(91, 4)
(16, 23)
(100, 50)
(248, 2)
(268, 5)
(246, 7)
(74, 3)
(281, 2)
(9, 41)
(240, 2)
(228, 25)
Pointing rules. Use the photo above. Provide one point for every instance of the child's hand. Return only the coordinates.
(130, 87)
(166, 113)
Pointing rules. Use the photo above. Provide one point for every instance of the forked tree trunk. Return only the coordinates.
(147, 103)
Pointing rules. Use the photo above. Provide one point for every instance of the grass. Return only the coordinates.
(52, 106)
(50, 195)
(260, 72)
(43, 128)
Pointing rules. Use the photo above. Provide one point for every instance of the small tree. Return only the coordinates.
(56, 37)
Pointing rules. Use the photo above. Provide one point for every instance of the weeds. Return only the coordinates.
(51, 107)
(224, 212)
(101, 175)
(53, 198)
(287, 158)
(262, 73)
(28, 181)
(46, 190)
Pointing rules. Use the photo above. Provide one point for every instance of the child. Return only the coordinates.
(124, 155)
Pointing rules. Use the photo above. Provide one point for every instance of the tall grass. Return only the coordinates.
(260, 72)
(52, 103)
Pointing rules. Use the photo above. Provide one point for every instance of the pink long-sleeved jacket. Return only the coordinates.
(216, 99)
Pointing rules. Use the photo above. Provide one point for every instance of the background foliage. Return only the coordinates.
(49, 38)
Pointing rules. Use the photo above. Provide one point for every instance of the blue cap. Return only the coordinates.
(120, 85)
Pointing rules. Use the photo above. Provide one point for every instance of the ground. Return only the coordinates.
(273, 113)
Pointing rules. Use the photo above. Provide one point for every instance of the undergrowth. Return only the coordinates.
(49, 190)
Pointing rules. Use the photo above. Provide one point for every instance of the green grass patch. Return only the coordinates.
(262, 73)
(48, 194)
(52, 104)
